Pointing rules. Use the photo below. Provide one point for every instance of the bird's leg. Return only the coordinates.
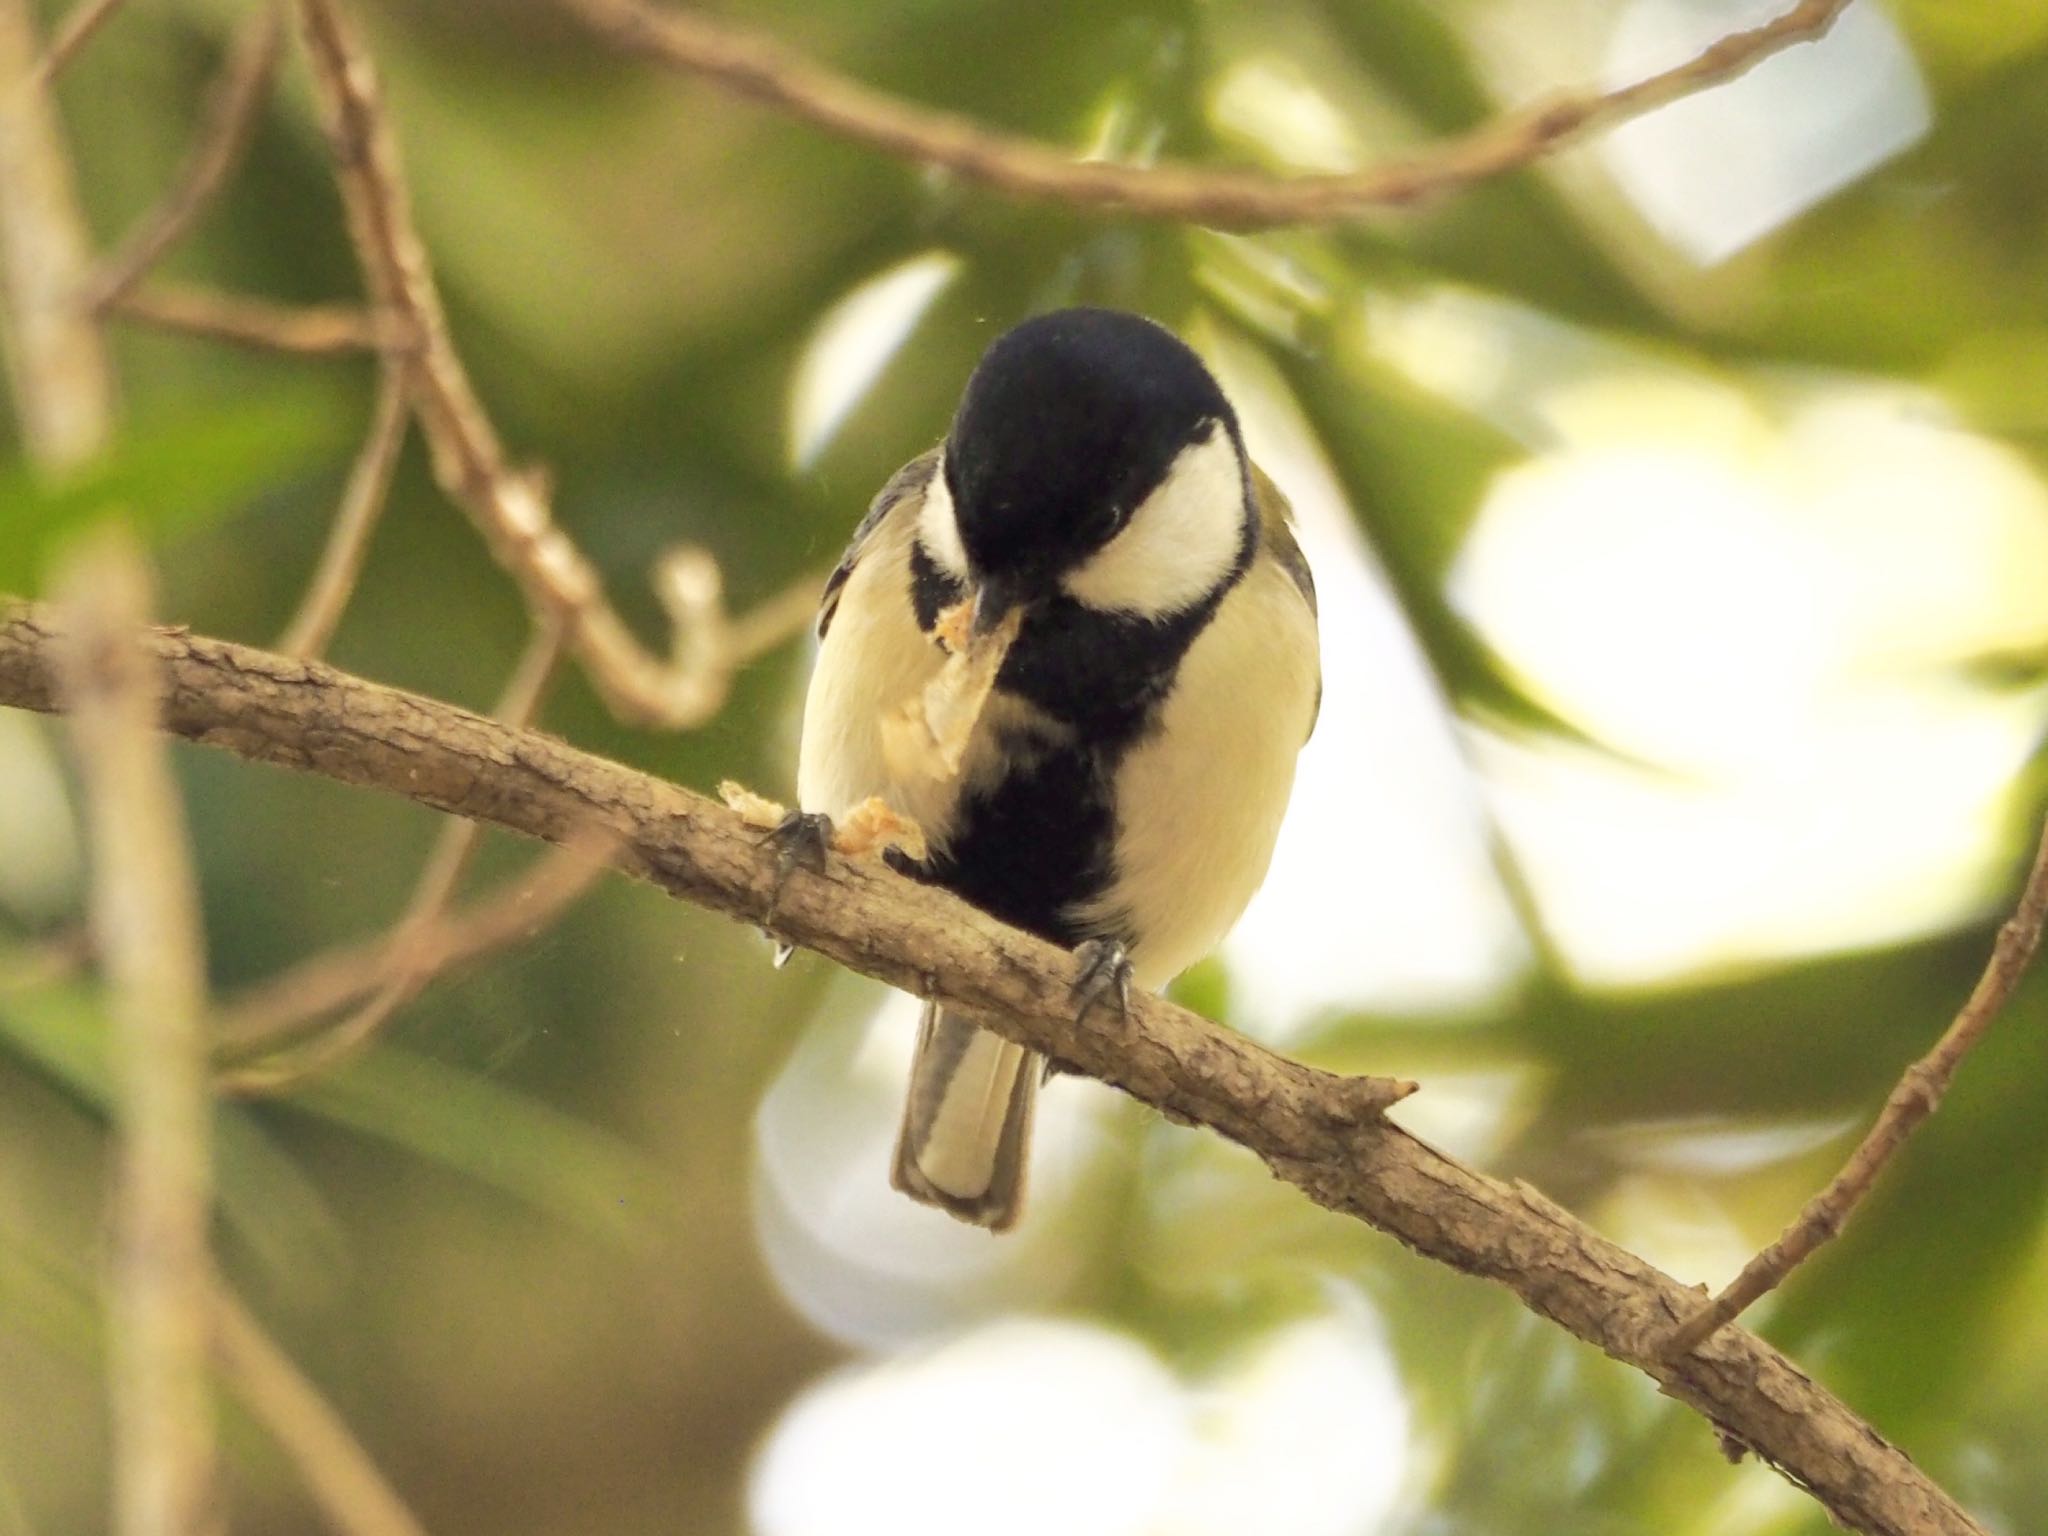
(800, 840)
(1103, 968)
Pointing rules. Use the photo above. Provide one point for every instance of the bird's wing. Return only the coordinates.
(1276, 526)
(908, 481)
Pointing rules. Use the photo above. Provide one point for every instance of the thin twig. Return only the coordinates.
(406, 965)
(1918, 1094)
(418, 952)
(509, 506)
(343, 1480)
(145, 917)
(73, 33)
(316, 330)
(362, 504)
(58, 360)
(339, 978)
(763, 70)
(232, 109)
(1320, 1132)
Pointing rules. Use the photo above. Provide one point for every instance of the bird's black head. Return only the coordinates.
(1069, 421)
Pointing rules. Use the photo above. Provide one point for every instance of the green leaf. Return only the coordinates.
(167, 481)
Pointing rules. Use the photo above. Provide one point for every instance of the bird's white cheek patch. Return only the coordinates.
(937, 530)
(1179, 544)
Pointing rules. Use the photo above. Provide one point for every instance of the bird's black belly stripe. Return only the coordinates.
(1032, 846)
(1105, 674)
(1039, 843)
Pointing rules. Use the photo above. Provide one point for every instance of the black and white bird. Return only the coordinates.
(1123, 786)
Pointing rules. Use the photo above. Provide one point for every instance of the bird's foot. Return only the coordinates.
(1103, 968)
(800, 841)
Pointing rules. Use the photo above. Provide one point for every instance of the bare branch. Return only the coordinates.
(362, 506)
(1918, 1094)
(338, 1472)
(77, 29)
(316, 330)
(762, 70)
(1321, 1132)
(406, 965)
(232, 107)
(145, 919)
(508, 506)
(55, 353)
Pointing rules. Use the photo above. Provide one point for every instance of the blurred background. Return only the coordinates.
(1679, 514)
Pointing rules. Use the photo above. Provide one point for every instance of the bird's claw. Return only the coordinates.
(1103, 968)
(800, 841)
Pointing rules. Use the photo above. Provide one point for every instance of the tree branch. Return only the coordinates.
(1318, 1131)
(1918, 1094)
(62, 387)
(77, 29)
(145, 919)
(363, 501)
(338, 1472)
(312, 330)
(508, 506)
(760, 69)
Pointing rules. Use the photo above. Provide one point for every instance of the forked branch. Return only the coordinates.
(510, 506)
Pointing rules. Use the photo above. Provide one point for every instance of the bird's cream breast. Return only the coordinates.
(1199, 800)
(873, 660)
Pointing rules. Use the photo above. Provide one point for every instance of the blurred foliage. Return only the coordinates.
(519, 1248)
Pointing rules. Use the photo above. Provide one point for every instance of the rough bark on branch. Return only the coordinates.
(1318, 1131)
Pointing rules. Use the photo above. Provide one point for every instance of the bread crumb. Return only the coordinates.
(755, 810)
(874, 825)
(926, 736)
(865, 830)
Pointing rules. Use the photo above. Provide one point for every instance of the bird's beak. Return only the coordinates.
(994, 600)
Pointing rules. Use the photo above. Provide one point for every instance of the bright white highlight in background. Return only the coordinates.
(1770, 615)
(1724, 167)
(1033, 1426)
(853, 343)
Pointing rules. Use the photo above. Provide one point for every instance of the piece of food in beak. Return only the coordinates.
(926, 736)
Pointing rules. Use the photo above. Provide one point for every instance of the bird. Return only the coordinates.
(1122, 786)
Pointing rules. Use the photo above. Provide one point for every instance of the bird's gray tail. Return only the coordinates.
(967, 1126)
